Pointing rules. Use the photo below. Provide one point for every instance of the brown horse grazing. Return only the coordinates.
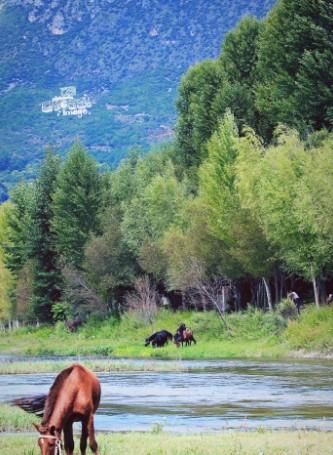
(73, 397)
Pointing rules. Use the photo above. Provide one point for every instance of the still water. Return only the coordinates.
(205, 396)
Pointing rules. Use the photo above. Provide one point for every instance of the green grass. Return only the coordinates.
(251, 334)
(225, 443)
(98, 365)
(313, 331)
(15, 419)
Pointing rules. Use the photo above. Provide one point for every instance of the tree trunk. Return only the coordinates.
(268, 293)
(276, 286)
(315, 287)
(282, 286)
(322, 290)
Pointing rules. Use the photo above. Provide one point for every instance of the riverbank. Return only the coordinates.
(251, 334)
(222, 443)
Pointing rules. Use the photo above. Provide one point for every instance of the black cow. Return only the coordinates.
(158, 339)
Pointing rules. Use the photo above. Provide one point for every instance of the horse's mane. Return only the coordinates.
(53, 393)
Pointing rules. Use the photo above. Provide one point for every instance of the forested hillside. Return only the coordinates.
(235, 211)
(127, 56)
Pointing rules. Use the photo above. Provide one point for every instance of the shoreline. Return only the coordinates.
(52, 364)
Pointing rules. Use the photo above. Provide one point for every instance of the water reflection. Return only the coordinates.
(206, 396)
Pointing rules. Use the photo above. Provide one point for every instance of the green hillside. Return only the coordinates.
(127, 56)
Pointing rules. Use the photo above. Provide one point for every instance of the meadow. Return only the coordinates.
(250, 334)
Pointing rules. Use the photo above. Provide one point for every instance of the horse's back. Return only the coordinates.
(84, 387)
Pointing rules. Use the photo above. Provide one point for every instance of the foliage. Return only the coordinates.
(76, 204)
(47, 275)
(18, 245)
(282, 195)
(5, 274)
(313, 331)
(287, 309)
(295, 64)
(61, 311)
(196, 120)
(219, 203)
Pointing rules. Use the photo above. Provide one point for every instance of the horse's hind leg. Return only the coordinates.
(68, 438)
(91, 432)
(84, 436)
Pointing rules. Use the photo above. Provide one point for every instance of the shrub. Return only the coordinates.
(61, 311)
(287, 309)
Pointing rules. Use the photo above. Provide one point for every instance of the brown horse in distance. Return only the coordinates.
(184, 335)
(73, 397)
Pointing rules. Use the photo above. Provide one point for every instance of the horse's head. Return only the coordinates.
(181, 328)
(177, 339)
(49, 440)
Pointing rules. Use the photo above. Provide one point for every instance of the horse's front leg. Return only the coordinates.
(68, 438)
(91, 432)
(84, 436)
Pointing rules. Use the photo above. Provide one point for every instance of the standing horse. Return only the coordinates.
(184, 335)
(73, 397)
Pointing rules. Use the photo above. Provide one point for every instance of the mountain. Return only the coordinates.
(122, 58)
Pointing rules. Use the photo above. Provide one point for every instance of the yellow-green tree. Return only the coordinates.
(6, 278)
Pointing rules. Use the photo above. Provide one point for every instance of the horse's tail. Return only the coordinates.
(34, 404)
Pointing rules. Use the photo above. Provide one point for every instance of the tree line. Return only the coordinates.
(240, 200)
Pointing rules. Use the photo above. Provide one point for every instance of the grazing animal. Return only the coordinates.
(73, 397)
(184, 335)
(158, 339)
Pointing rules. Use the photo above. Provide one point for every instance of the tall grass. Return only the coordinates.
(15, 419)
(313, 330)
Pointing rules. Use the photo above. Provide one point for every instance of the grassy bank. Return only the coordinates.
(157, 442)
(227, 443)
(251, 334)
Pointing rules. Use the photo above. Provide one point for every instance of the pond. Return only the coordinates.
(205, 396)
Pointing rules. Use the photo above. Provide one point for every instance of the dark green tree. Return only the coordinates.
(238, 61)
(76, 204)
(18, 246)
(295, 65)
(196, 119)
(47, 281)
(210, 88)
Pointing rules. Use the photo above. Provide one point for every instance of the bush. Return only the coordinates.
(254, 324)
(287, 309)
(61, 311)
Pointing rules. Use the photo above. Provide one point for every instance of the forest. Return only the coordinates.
(235, 211)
